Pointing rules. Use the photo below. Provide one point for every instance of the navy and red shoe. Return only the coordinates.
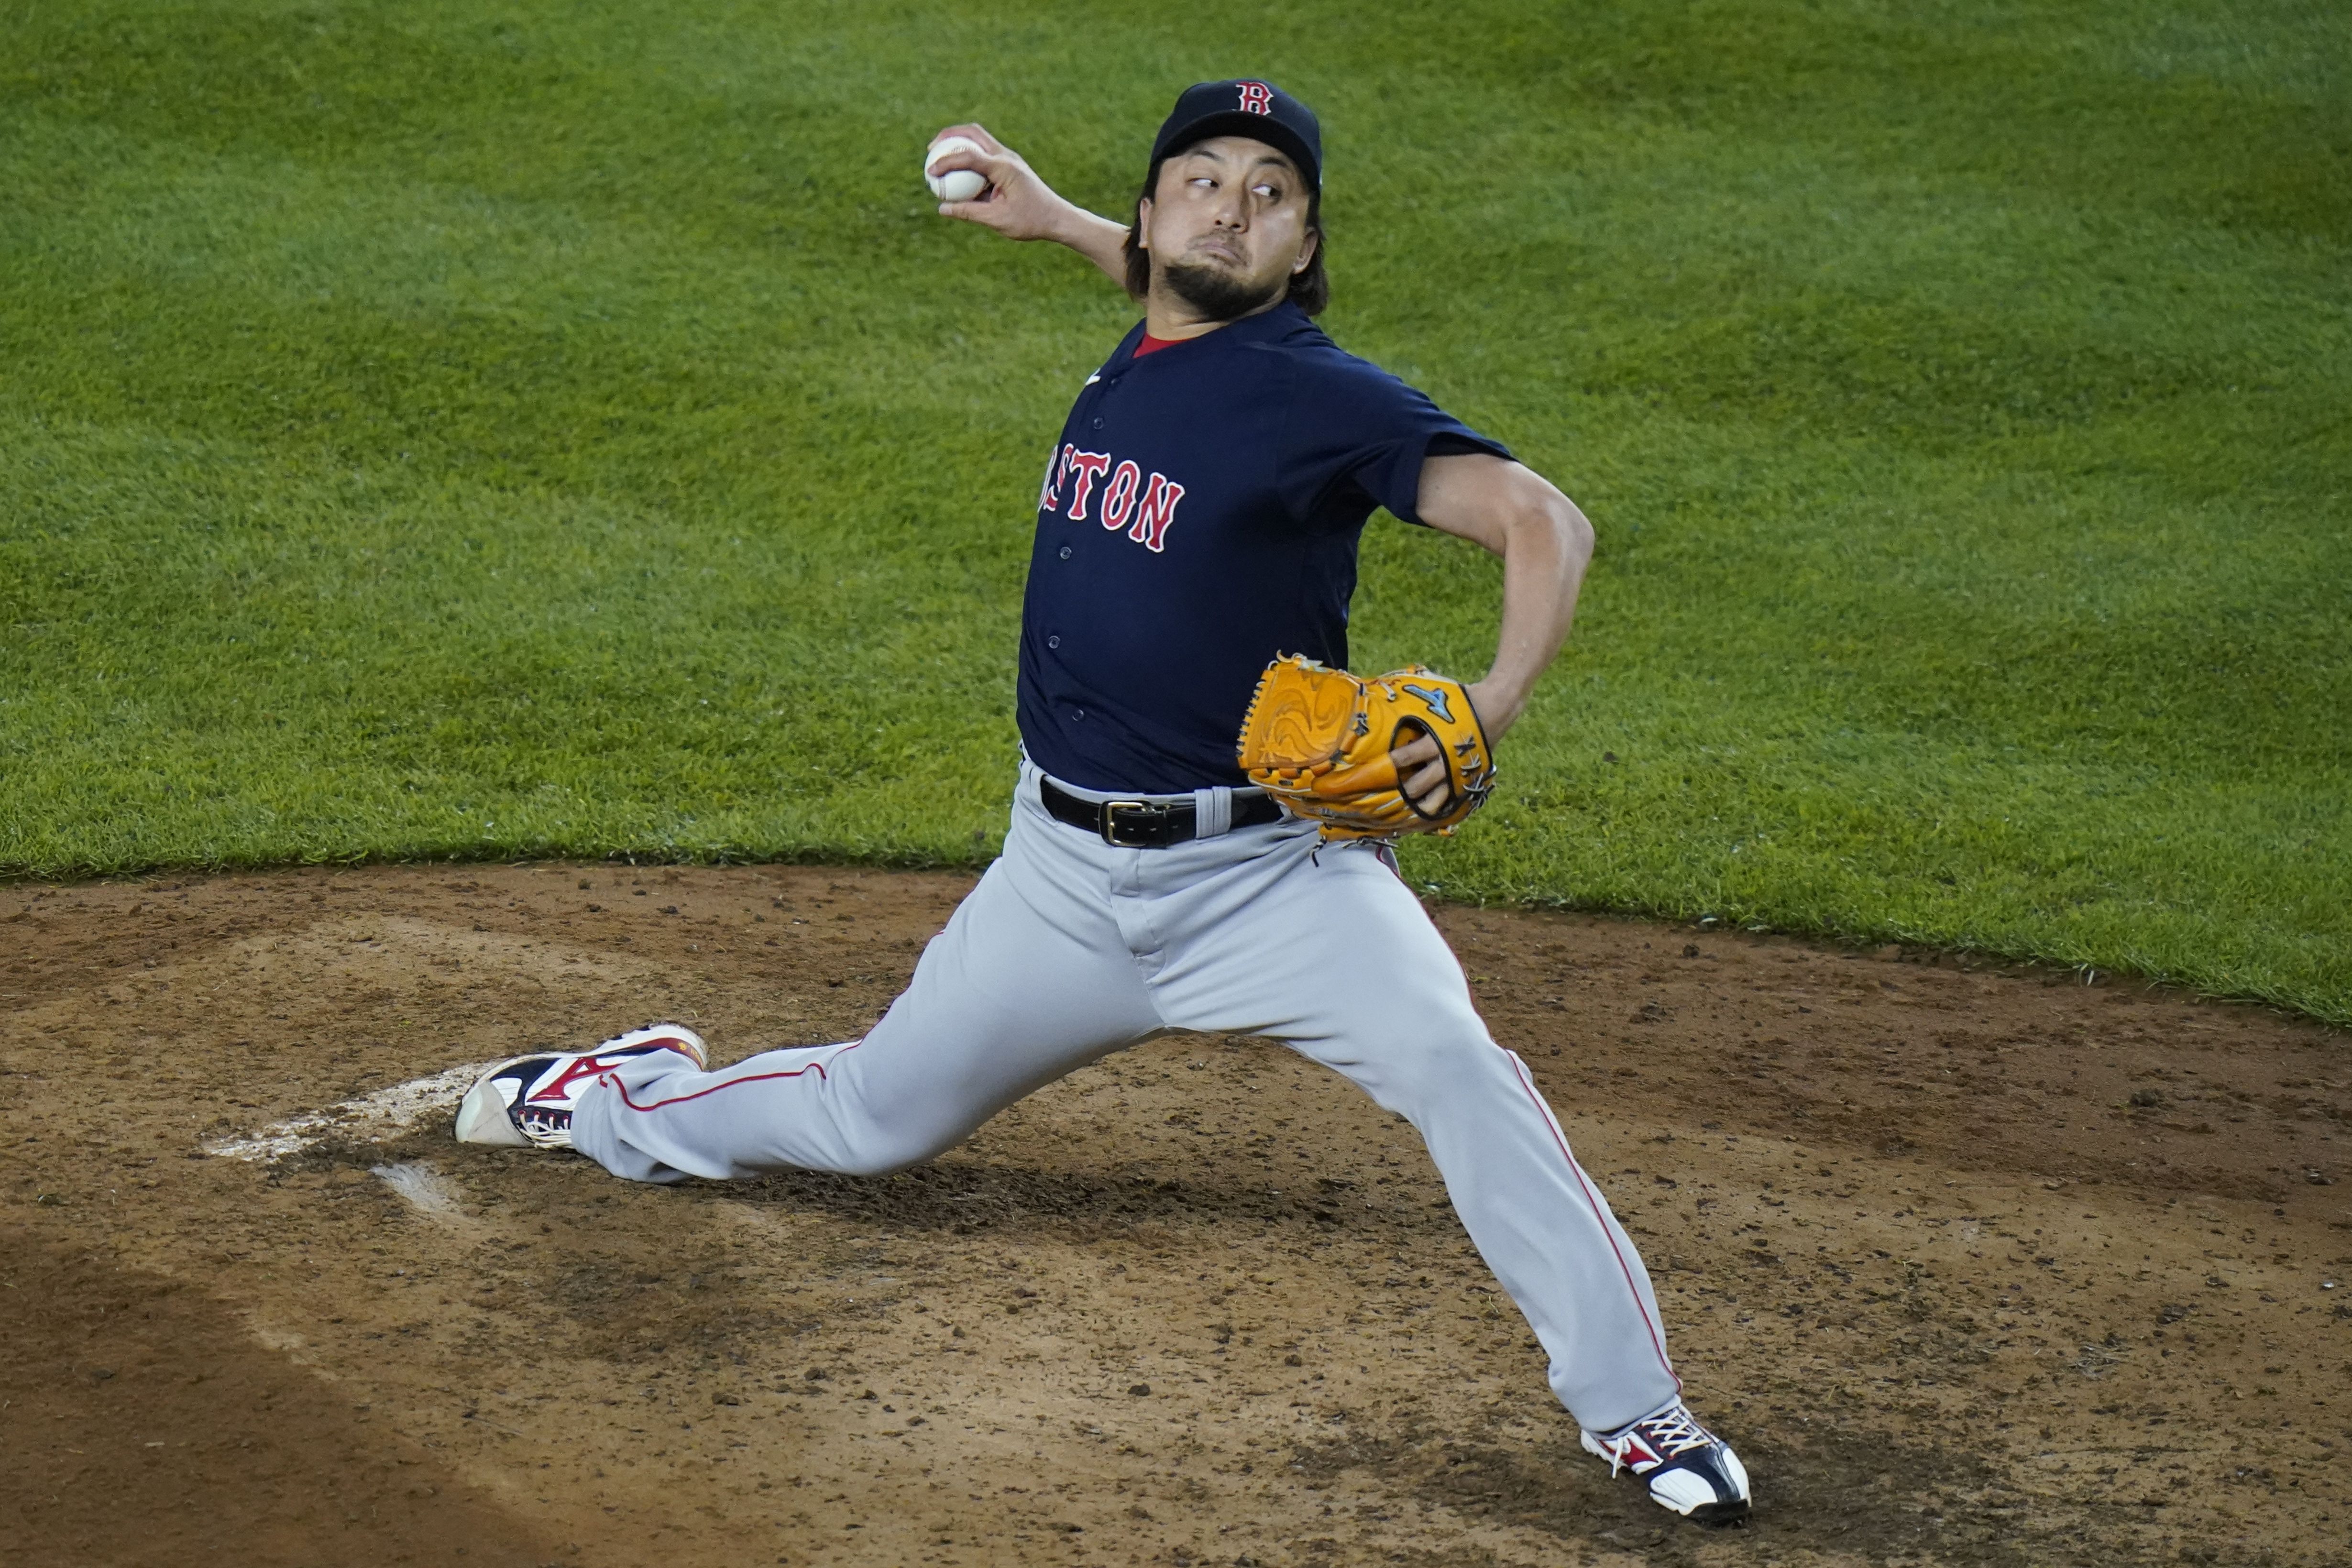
(526, 1101)
(1689, 1469)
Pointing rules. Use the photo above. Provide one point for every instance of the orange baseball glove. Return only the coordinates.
(1317, 739)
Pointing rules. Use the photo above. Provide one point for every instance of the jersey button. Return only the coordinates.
(1065, 552)
(1053, 641)
(1098, 422)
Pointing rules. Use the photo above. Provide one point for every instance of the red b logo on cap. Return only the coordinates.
(1257, 97)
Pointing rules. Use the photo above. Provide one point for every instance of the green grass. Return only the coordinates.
(440, 430)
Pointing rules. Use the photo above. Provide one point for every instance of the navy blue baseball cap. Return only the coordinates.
(1256, 110)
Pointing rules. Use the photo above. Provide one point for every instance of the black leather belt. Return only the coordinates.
(1146, 824)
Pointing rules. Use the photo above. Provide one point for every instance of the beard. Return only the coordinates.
(1217, 295)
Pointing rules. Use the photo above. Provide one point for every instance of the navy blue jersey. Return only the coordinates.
(1200, 516)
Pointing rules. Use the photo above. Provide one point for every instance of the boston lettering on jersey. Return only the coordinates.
(1200, 515)
(1123, 498)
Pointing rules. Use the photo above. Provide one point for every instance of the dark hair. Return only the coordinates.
(1310, 290)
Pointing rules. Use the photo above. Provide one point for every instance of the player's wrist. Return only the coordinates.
(1068, 223)
(1499, 703)
(1087, 234)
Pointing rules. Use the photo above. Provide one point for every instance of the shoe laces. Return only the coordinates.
(1675, 1432)
(1670, 1434)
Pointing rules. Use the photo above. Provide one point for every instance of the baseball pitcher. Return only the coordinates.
(1201, 832)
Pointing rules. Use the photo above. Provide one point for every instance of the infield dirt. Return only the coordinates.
(1975, 1267)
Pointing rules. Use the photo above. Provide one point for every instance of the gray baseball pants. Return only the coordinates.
(1070, 949)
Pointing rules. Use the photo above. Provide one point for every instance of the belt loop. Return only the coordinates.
(1213, 813)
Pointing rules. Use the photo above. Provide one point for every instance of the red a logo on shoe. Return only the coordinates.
(560, 1090)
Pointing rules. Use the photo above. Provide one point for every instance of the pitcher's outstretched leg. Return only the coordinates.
(1029, 981)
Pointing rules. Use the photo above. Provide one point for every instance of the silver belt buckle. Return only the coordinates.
(1111, 824)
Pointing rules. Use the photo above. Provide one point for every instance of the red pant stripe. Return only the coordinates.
(623, 1089)
(1657, 1343)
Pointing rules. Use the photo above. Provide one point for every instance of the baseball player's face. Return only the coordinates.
(1227, 226)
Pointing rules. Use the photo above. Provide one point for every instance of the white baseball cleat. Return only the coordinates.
(525, 1102)
(1689, 1469)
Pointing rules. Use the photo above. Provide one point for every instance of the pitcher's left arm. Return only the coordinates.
(1545, 542)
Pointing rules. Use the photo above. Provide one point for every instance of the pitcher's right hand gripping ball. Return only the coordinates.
(1317, 739)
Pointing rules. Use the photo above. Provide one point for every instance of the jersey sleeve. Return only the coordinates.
(1355, 437)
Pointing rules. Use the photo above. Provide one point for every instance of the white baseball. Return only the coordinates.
(956, 185)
